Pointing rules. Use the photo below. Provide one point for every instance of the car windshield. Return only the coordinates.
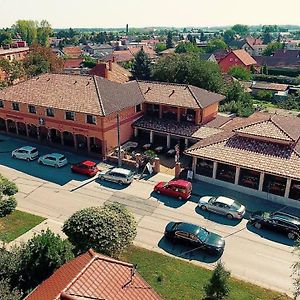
(34, 150)
(62, 158)
(236, 205)
(202, 234)
(212, 200)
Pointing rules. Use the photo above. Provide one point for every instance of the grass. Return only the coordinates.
(177, 279)
(264, 104)
(16, 224)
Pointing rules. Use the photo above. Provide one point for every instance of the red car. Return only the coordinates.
(180, 189)
(85, 167)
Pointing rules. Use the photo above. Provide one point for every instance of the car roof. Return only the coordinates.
(287, 217)
(180, 182)
(188, 227)
(54, 154)
(225, 200)
(88, 163)
(121, 171)
(28, 148)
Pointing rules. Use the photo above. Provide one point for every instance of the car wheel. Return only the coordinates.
(229, 216)
(203, 207)
(101, 177)
(291, 235)
(14, 156)
(56, 165)
(257, 225)
(40, 162)
(28, 159)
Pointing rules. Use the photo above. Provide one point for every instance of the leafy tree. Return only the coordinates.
(5, 37)
(183, 47)
(271, 48)
(159, 47)
(240, 29)
(13, 70)
(265, 95)
(240, 72)
(267, 37)
(229, 36)
(218, 288)
(189, 69)
(27, 29)
(44, 31)
(169, 41)
(215, 44)
(40, 257)
(7, 293)
(142, 65)
(7, 200)
(108, 229)
(202, 37)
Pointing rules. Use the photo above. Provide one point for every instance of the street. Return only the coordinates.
(260, 257)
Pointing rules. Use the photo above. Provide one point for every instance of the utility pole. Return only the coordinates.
(119, 141)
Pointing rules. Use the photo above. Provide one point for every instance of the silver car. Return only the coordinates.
(118, 175)
(27, 152)
(56, 160)
(223, 206)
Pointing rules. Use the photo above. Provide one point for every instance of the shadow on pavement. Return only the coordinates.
(216, 218)
(111, 185)
(168, 201)
(271, 235)
(185, 251)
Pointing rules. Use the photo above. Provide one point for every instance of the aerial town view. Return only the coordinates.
(149, 150)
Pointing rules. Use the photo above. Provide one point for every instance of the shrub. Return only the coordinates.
(7, 187)
(107, 229)
(7, 206)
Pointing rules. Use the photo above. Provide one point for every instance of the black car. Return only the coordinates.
(277, 221)
(196, 236)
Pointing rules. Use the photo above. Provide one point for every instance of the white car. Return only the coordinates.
(118, 175)
(223, 206)
(27, 152)
(56, 160)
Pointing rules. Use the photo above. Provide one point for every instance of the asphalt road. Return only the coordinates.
(260, 257)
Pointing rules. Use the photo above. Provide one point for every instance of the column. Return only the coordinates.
(186, 143)
(75, 142)
(160, 111)
(38, 134)
(178, 114)
(287, 188)
(88, 144)
(261, 181)
(6, 126)
(135, 132)
(168, 141)
(237, 175)
(62, 138)
(215, 169)
(27, 133)
(194, 164)
(17, 129)
(151, 136)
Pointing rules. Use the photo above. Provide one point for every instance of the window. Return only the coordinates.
(15, 106)
(138, 108)
(1, 104)
(70, 115)
(32, 109)
(90, 119)
(50, 112)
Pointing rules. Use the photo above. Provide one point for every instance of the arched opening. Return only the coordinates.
(2, 124)
(11, 126)
(55, 136)
(81, 142)
(68, 139)
(32, 131)
(21, 128)
(96, 145)
(44, 133)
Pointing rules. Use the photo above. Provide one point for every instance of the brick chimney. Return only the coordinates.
(100, 70)
(110, 65)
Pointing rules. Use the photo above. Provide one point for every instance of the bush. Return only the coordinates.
(7, 187)
(7, 293)
(264, 95)
(108, 229)
(7, 206)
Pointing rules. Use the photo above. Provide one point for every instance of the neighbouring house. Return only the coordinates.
(292, 45)
(72, 51)
(129, 54)
(220, 54)
(253, 46)
(209, 57)
(278, 90)
(94, 276)
(167, 52)
(236, 58)
(98, 50)
(258, 155)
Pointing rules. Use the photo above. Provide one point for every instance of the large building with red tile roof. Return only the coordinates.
(72, 51)
(94, 276)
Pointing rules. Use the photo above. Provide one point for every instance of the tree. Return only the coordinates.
(5, 37)
(7, 293)
(296, 271)
(27, 29)
(142, 66)
(159, 47)
(189, 68)
(44, 31)
(108, 229)
(215, 44)
(229, 36)
(202, 37)
(13, 70)
(240, 72)
(218, 288)
(271, 48)
(169, 41)
(40, 257)
(7, 200)
(188, 47)
(267, 37)
(240, 29)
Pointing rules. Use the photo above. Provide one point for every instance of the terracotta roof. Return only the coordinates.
(13, 50)
(94, 276)
(73, 62)
(127, 55)
(119, 74)
(178, 94)
(269, 86)
(72, 51)
(243, 56)
(254, 41)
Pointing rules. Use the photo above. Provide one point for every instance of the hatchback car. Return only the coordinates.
(196, 236)
(278, 221)
(118, 175)
(85, 167)
(56, 160)
(180, 189)
(27, 152)
(223, 206)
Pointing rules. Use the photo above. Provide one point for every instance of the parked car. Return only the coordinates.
(278, 221)
(118, 175)
(85, 167)
(27, 152)
(56, 160)
(196, 236)
(180, 189)
(223, 206)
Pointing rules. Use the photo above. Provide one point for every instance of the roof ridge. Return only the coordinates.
(163, 82)
(193, 94)
(280, 128)
(99, 95)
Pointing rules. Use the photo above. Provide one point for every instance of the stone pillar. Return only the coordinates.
(26, 127)
(62, 138)
(135, 132)
(237, 175)
(168, 141)
(6, 126)
(88, 144)
(261, 181)
(177, 169)
(186, 143)
(38, 134)
(75, 142)
(287, 188)
(178, 114)
(160, 111)
(215, 169)
(156, 165)
(194, 164)
(17, 129)
(151, 136)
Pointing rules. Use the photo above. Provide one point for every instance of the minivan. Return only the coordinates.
(118, 175)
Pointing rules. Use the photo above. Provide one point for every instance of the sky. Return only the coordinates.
(141, 13)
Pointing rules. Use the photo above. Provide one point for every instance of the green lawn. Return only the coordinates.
(177, 279)
(264, 104)
(17, 223)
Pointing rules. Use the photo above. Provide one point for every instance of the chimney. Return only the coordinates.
(110, 65)
(100, 70)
